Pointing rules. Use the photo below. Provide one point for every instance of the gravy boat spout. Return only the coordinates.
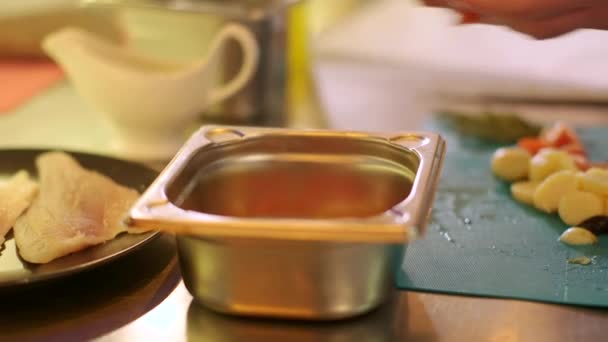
(150, 102)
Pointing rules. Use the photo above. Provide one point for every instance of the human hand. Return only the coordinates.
(538, 18)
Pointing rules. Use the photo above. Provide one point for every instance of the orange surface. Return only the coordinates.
(21, 79)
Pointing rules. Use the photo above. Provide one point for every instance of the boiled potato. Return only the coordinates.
(549, 161)
(598, 172)
(524, 191)
(578, 236)
(549, 192)
(594, 180)
(577, 206)
(511, 163)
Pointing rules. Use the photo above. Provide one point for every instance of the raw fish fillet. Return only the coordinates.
(16, 195)
(75, 209)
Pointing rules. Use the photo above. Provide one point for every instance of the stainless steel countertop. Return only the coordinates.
(142, 298)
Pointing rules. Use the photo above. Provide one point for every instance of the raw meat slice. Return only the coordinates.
(16, 195)
(75, 209)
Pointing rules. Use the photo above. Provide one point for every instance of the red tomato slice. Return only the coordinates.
(574, 149)
(532, 144)
(581, 162)
(560, 134)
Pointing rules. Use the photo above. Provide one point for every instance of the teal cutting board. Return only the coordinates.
(481, 242)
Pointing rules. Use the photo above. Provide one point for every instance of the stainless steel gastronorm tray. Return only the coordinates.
(301, 224)
(318, 185)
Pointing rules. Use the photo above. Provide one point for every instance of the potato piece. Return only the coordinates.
(577, 206)
(599, 172)
(550, 191)
(594, 180)
(524, 191)
(549, 161)
(511, 163)
(578, 236)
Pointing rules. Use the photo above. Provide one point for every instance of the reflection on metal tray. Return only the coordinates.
(14, 271)
(306, 224)
(381, 325)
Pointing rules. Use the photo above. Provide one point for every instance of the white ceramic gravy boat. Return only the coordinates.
(150, 102)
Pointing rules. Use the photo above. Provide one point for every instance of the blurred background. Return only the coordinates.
(344, 64)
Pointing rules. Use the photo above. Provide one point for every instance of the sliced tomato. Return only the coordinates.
(560, 134)
(532, 144)
(581, 162)
(574, 149)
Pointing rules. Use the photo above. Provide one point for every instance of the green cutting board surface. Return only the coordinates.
(481, 242)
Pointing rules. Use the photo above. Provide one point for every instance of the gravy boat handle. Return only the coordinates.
(250, 49)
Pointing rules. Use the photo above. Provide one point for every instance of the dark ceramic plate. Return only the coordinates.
(16, 272)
